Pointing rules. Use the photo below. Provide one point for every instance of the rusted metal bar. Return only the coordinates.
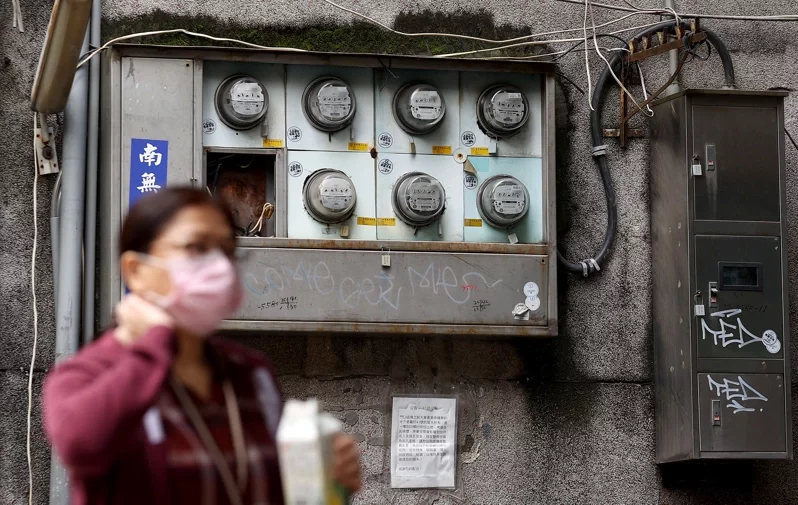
(664, 48)
(630, 133)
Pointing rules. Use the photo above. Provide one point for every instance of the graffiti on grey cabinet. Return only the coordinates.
(742, 337)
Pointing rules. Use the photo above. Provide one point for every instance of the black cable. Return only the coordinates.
(571, 82)
(791, 139)
(599, 150)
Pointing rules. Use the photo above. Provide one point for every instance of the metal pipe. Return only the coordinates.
(92, 169)
(673, 58)
(70, 276)
(55, 204)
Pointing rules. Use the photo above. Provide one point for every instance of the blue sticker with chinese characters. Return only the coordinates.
(149, 160)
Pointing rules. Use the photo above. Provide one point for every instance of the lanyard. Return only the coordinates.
(234, 490)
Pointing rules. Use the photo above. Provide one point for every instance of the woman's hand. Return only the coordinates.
(347, 462)
(135, 316)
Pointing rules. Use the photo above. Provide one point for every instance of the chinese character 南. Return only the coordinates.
(150, 157)
(148, 183)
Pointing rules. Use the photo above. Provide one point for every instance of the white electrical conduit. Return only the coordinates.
(665, 12)
(16, 20)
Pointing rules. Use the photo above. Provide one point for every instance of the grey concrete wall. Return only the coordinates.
(564, 421)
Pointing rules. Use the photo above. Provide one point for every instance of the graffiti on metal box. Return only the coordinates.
(378, 289)
(742, 337)
(737, 392)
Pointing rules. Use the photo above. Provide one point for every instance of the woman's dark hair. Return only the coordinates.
(150, 215)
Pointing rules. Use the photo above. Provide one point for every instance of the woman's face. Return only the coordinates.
(193, 231)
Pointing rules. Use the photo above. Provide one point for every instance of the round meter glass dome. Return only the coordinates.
(329, 196)
(502, 110)
(241, 102)
(418, 108)
(418, 199)
(329, 104)
(502, 201)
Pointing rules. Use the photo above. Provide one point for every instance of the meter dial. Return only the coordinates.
(502, 110)
(502, 201)
(329, 196)
(418, 199)
(241, 102)
(329, 104)
(419, 108)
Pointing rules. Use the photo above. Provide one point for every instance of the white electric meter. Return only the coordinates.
(241, 102)
(418, 108)
(502, 201)
(418, 199)
(502, 110)
(329, 104)
(329, 196)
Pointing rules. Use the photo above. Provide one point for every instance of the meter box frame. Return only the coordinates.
(720, 304)
(338, 283)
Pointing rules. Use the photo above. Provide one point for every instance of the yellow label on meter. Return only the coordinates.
(358, 146)
(273, 143)
(366, 221)
(480, 151)
(477, 223)
(441, 149)
(386, 221)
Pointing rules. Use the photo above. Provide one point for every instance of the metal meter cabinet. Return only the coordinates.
(721, 334)
(344, 277)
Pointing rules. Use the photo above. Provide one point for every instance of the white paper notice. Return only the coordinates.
(423, 438)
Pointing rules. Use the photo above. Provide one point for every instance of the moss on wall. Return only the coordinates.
(355, 37)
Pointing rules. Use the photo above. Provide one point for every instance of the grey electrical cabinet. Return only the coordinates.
(721, 335)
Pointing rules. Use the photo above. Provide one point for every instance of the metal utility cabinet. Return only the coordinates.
(721, 335)
(410, 195)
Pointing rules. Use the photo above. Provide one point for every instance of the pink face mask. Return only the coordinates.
(205, 290)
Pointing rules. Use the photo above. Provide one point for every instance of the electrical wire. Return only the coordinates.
(589, 6)
(661, 12)
(649, 112)
(35, 313)
(469, 37)
(108, 44)
(587, 60)
(791, 139)
(536, 43)
(16, 21)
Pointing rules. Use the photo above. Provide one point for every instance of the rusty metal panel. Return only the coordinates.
(417, 287)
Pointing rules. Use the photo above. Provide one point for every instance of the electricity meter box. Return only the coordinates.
(358, 206)
(719, 248)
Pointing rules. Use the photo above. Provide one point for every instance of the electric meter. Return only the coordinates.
(502, 110)
(418, 199)
(241, 102)
(329, 104)
(419, 108)
(329, 196)
(502, 201)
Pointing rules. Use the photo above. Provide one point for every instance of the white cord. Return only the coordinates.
(589, 4)
(17, 16)
(648, 111)
(35, 312)
(660, 12)
(185, 32)
(537, 43)
(587, 63)
(469, 37)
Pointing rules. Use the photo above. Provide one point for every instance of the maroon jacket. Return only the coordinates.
(95, 402)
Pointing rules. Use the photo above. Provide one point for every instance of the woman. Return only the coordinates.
(154, 412)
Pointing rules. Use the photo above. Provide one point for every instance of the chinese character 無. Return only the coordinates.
(148, 183)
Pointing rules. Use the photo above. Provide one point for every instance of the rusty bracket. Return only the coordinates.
(663, 47)
(633, 133)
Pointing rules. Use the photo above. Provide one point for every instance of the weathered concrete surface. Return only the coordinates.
(565, 421)
(19, 53)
